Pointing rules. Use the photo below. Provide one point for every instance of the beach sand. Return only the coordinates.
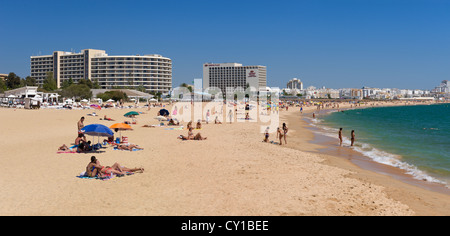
(231, 173)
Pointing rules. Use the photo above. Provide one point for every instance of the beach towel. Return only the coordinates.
(83, 175)
(134, 149)
(178, 128)
(64, 152)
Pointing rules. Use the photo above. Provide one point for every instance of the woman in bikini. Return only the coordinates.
(279, 135)
(190, 135)
(285, 130)
(94, 168)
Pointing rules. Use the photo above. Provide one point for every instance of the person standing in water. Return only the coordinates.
(353, 137)
(340, 137)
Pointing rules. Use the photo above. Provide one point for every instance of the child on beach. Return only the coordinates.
(266, 135)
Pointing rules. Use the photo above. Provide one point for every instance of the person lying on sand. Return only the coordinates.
(64, 148)
(94, 168)
(106, 118)
(127, 147)
(191, 136)
(172, 123)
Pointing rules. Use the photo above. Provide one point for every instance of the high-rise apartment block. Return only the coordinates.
(230, 77)
(295, 84)
(152, 72)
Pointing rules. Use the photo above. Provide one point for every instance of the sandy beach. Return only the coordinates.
(231, 173)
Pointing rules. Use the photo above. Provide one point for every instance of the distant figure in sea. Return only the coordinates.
(353, 137)
(340, 137)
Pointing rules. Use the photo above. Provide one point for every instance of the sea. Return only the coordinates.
(413, 138)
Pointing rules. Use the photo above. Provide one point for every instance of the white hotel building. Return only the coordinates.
(229, 76)
(153, 72)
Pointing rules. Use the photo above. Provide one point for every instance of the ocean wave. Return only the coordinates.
(377, 155)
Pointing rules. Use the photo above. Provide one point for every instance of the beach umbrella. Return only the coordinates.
(120, 127)
(160, 118)
(131, 113)
(164, 112)
(95, 106)
(98, 130)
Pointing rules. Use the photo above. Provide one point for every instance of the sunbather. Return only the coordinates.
(94, 168)
(64, 148)
(172, 123)
(191, 136)
(128, 147)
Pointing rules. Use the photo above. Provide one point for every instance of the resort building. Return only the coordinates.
(443, 88)
(295, 84)
(151, 72)
(230, 77)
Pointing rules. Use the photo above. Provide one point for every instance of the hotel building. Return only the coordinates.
(231, 76)
(152, 72)
(295, 84)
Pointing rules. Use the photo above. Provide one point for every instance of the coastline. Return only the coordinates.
(423, 197)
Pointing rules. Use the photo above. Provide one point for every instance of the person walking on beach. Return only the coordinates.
(80, 124)
(340, 137)
(230, 115)
(280, 135)
(353, 137)
(285, 130)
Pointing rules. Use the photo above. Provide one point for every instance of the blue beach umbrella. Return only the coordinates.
(164, 112)
(98, 130)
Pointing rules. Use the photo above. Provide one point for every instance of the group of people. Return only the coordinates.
(352, 137)
(81, 145)
(281, 134)
(95, 169)
(191, 136)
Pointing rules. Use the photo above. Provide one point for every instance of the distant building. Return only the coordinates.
(295, 84)
(152, 72)
(443, 88)
(233, 76)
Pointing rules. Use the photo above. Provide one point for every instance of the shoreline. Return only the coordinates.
(424, 198)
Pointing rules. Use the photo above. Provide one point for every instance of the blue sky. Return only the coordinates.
(332, 43)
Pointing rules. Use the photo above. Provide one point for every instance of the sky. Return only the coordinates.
(333, 43)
